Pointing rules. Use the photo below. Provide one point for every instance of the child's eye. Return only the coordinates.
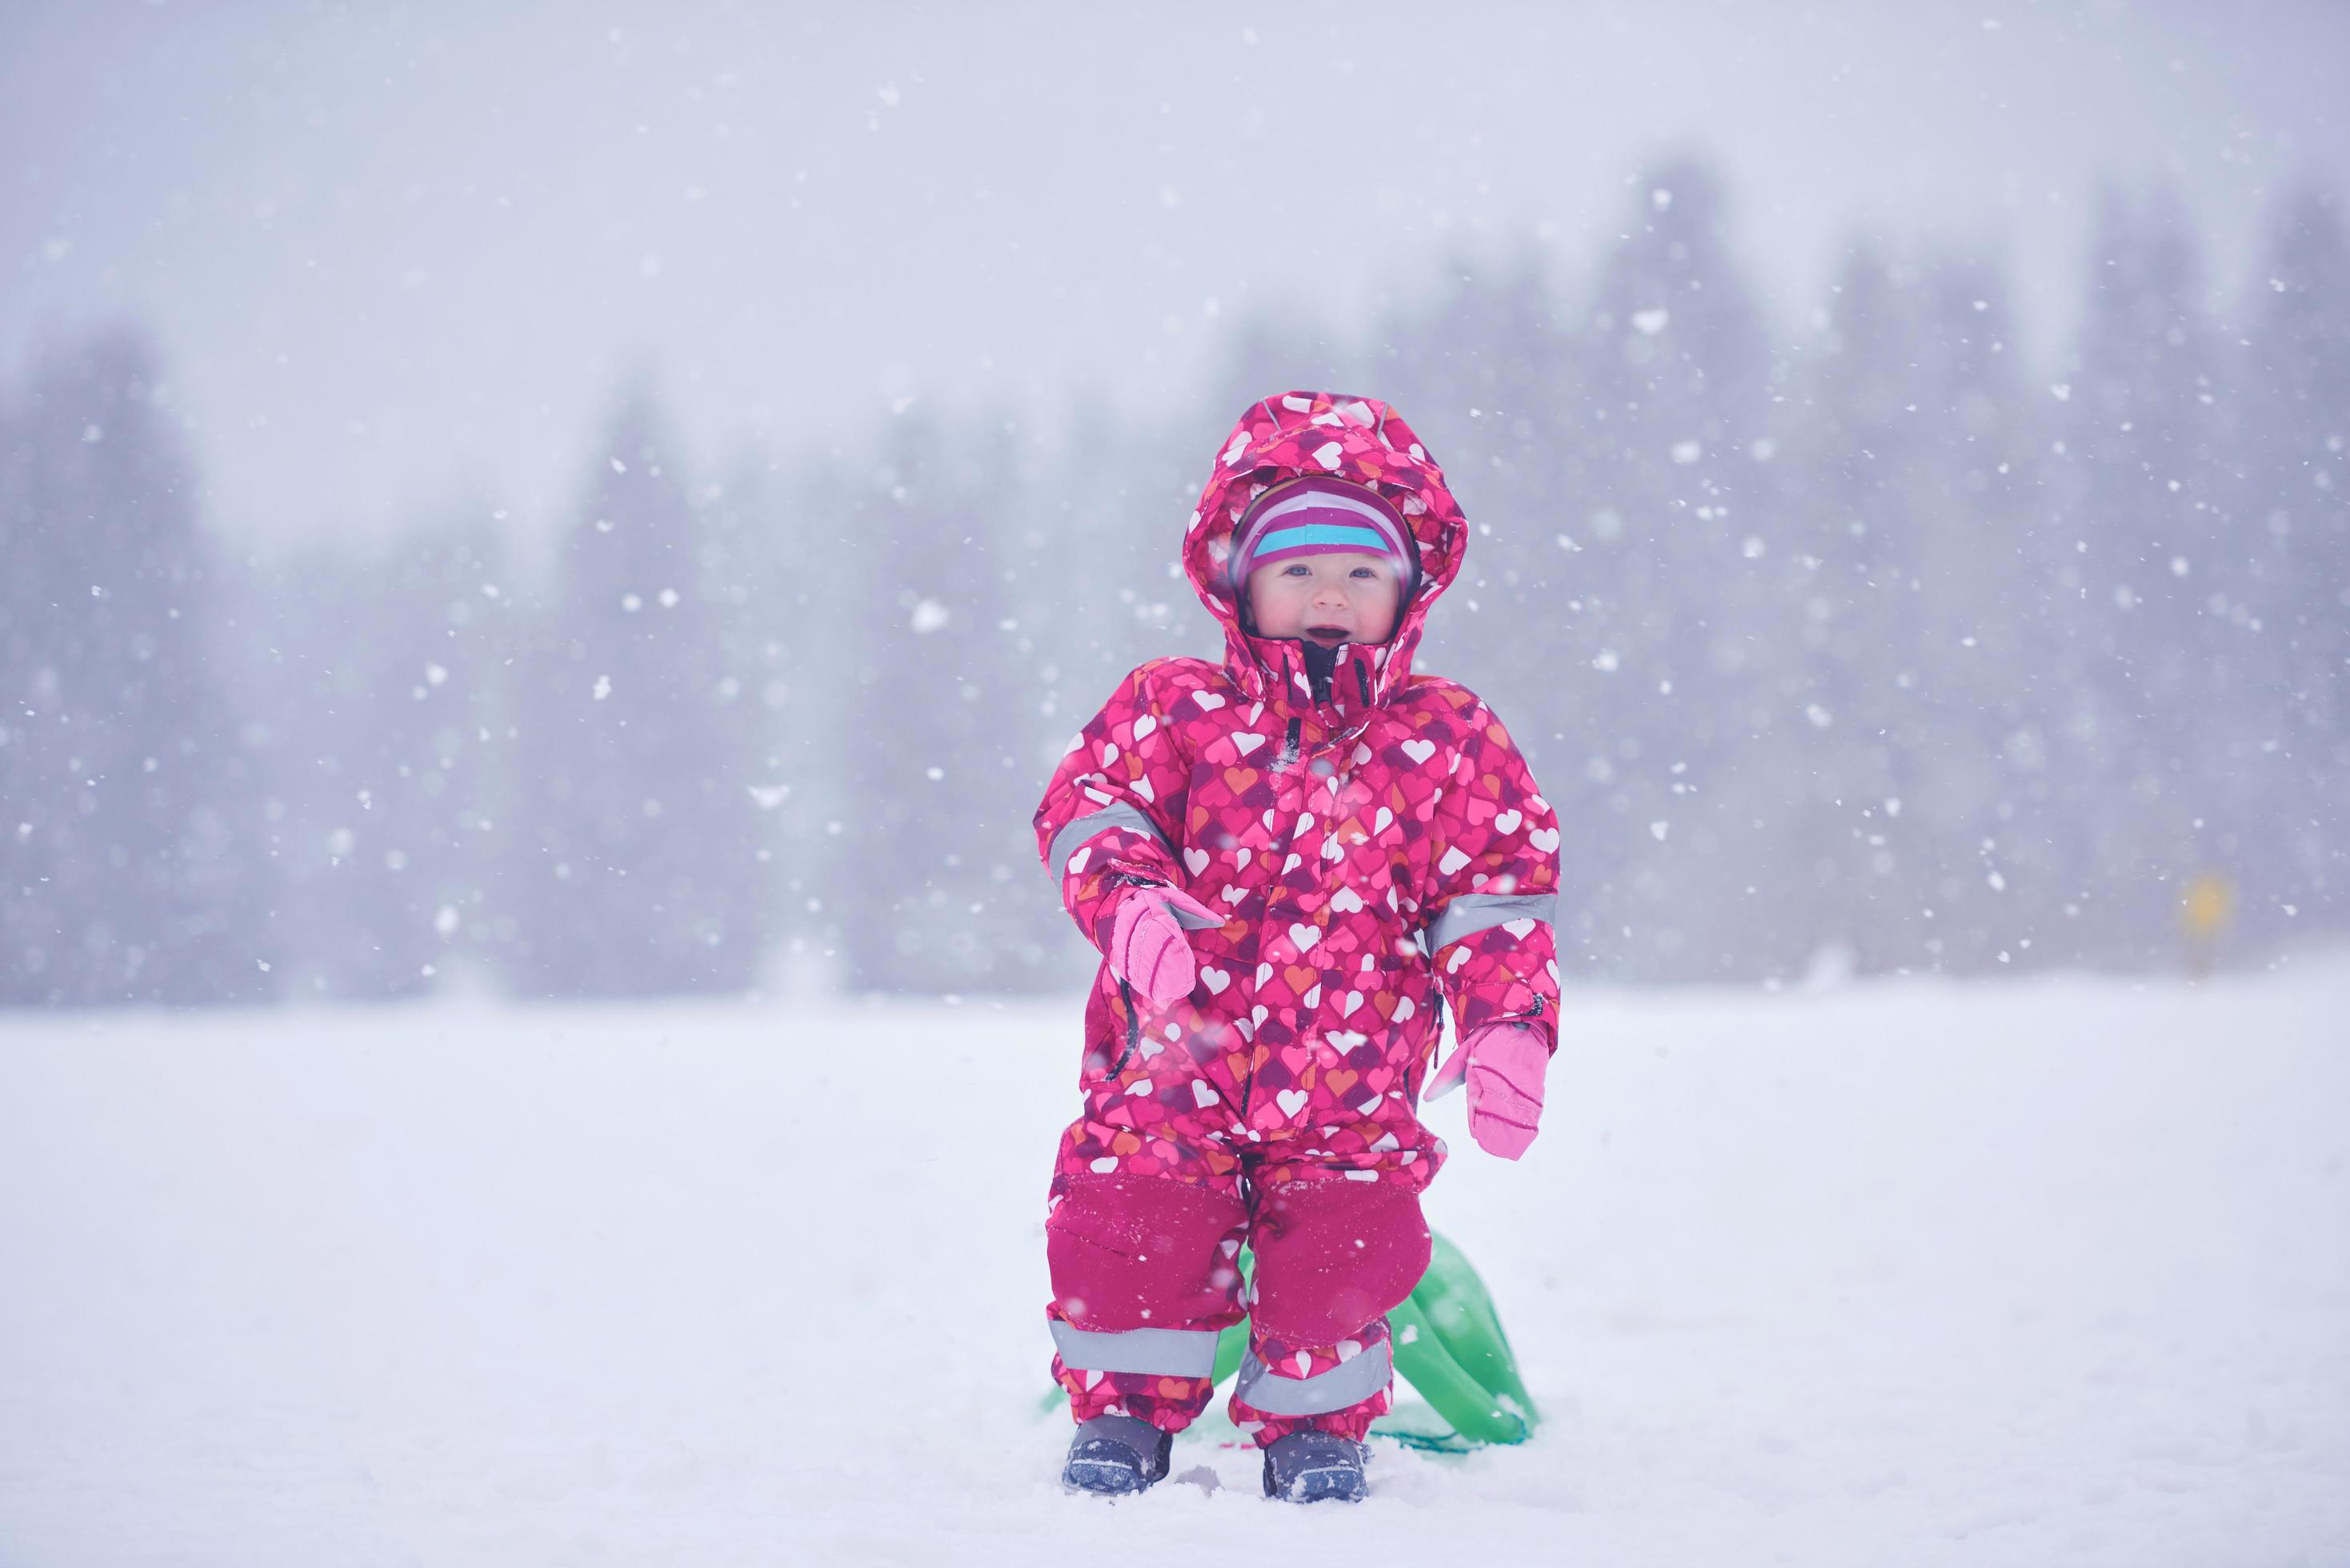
(1366, 573)
(1297, 569)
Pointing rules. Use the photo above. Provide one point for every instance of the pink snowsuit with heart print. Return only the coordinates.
(1378, 848)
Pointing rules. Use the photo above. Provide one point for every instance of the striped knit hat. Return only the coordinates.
(1318, 516)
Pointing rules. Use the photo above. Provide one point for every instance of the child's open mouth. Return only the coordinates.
(1327, 636)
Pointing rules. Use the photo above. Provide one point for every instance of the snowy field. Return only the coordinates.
(1908, 1273)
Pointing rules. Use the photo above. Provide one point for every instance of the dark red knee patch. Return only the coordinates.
(1142, 1252)
(1334, 1255)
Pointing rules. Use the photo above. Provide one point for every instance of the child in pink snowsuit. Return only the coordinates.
(1289, 860)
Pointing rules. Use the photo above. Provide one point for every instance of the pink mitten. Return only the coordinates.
(1503, 1065)
(1147, 947)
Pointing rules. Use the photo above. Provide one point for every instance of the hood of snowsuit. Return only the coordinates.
(1329, 435)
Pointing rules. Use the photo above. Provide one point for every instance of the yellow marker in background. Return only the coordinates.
(2204, 906)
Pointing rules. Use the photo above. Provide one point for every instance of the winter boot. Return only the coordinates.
(1308, 1465)
(1114, 1455)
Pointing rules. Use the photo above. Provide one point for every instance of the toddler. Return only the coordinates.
(1284, 858)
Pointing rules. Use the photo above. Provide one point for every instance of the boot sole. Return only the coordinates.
(1334, 1483)
(1104, 1479)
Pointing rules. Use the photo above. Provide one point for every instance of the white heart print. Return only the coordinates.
(1419, 750)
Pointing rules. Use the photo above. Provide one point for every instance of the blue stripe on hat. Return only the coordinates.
(1325, 535)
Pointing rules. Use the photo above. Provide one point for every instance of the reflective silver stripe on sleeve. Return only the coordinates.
(1348, 1383)
(1075, 833)
(1474, 912)
(1168, 1352)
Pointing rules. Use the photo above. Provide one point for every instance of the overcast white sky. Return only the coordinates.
(383, 250)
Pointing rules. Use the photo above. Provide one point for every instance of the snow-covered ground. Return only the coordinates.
(2054, 1271)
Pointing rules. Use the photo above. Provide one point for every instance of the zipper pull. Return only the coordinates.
(1288, 757)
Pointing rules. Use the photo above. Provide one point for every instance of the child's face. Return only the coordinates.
(1327, 599)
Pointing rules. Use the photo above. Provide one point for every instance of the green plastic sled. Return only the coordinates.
(1449, 1346)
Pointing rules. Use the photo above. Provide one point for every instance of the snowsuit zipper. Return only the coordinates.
(1282, 764)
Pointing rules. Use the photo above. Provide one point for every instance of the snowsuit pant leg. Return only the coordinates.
(1144, 1276)
(1334, 1256)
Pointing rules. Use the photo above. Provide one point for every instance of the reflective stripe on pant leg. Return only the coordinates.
(1168, 1352)
(1347, 1384)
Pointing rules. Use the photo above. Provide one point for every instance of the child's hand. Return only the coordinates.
(1503, 1065)
(1147, 947)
